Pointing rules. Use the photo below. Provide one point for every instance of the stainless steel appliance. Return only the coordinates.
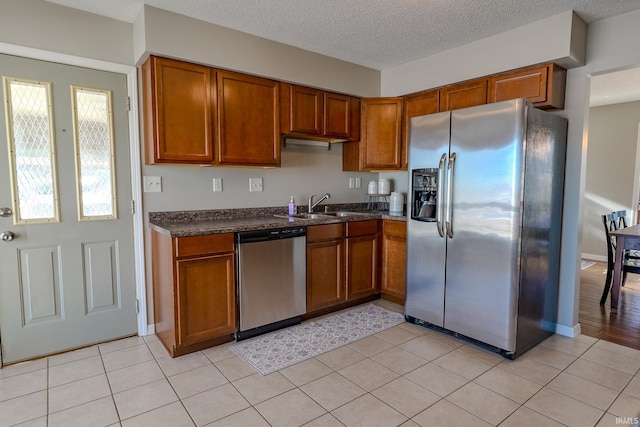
(483, 240)
(271, 279)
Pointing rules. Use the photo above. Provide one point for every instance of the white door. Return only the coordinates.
(66, 254)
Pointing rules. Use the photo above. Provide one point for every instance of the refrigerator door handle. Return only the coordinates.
(449, 217)
(439, 197)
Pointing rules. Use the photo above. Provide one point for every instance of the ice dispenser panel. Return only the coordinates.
(424, 189)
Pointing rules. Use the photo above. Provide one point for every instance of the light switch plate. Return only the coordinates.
(352, 182)
(255, 184)
(358, 182)
(152, 184)
(217, 185)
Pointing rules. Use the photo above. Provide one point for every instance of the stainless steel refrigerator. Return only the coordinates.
(483, 234)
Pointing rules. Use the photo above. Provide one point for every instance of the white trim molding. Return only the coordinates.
(568, 331)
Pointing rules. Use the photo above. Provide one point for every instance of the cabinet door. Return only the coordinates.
(381, 133)
(463, 95)
(543, 85)
(394, 259)
(302, 109)
(325, 274)
(206, 301)
(248, 120)
(415, 105)
(337, 115)
(178, 112)
(361, 266)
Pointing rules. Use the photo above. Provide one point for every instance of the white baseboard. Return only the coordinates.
(594, 257)
(151, 329)
(569, 331)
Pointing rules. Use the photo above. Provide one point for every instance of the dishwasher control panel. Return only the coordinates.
(273, 234)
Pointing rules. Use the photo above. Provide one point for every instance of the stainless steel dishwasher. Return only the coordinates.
(272, 278)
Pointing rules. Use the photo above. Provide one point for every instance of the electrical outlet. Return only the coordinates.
(217, 185)
(255, 184)
(152, 184)
(358, 182)
(352, 182)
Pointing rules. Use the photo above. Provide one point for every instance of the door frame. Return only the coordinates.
(134, 153)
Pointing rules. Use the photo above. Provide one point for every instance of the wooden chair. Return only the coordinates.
(621, 219)
(630, 263)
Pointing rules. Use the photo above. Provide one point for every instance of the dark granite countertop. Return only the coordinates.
(198, 223)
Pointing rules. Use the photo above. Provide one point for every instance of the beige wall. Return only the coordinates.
(178, 36)
(611, 180)
(560, 38)
(47, 26)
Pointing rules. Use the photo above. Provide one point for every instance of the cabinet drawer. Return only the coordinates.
(395, 228)
(362, 228)
(319, 233)
(202, 245)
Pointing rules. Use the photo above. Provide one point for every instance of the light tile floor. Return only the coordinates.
(407, 375)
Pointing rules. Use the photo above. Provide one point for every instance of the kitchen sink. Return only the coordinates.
(345, 213)
(320, 215)
(304, 216)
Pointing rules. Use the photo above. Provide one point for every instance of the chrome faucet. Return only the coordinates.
(313, 205)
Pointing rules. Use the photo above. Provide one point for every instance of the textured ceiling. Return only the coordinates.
(379, 34)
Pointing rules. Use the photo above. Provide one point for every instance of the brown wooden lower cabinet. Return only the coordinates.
(362, 254)
(394, 260)
(342, 262)
(193, 290)
(325, 266)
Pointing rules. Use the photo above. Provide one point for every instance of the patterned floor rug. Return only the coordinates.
(279, 349)
(586, 264)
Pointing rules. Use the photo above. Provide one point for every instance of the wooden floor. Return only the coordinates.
(598, 321)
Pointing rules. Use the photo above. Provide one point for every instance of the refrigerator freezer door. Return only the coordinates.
(483, 255)
(426, 249)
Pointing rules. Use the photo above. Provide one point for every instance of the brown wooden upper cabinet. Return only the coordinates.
(463, 95)
(178, 111)
(317, 114)
(543, 85)
(199, 115)
(247, 120)
(379, 147)
(417, 104)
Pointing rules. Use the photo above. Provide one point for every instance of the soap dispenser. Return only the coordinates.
(292, 205)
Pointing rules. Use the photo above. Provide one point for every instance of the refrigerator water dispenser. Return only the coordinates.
(424, 193)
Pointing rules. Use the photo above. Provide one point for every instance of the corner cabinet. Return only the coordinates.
(394, 260)
(379, 147)
(178, 111)
(309, 113)
(195, 114)
(193, 291)
(247, 120)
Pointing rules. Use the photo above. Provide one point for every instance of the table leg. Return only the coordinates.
(617, 274)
